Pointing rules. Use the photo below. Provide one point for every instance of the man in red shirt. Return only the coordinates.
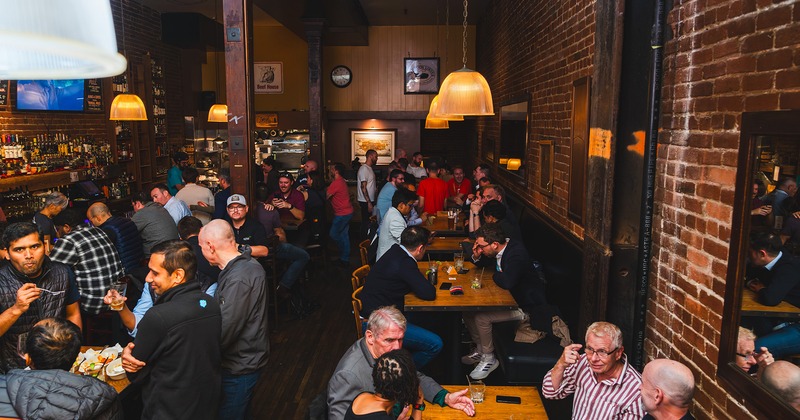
(458, 187)
(432, 190)
(339, 197)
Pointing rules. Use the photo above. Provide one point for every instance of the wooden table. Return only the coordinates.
(443, 245)
(118, 385)
(751, 307)
(440, 225)
(530, 406)
(490, 297)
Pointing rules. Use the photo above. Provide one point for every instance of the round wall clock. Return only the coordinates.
(341, 76)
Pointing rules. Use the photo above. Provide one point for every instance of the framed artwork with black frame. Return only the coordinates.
(421, 75)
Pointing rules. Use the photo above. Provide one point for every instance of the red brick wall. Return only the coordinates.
(143, 34)
(726, 57)
(540, 47)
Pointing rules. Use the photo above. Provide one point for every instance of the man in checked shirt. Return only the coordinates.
(604, 384)
(91, 255)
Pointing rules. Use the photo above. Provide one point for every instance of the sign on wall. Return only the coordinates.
(268, 77)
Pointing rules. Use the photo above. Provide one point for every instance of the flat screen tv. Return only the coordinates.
(50, 95)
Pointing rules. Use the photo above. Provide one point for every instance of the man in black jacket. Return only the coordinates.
(776, 276)
(514, 272)
(395, 275)
(176, 353)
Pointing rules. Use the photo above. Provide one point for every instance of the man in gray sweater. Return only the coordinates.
(153, 221)
(242, 297)
(353, 374)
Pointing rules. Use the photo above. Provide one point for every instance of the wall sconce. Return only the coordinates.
(514, 164)
(503, 161)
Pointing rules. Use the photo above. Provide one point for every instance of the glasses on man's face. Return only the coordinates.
(482, 245)
(235, 208)
(600, 353)
(748, 355)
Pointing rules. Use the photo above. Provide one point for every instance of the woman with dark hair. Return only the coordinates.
(396, 384)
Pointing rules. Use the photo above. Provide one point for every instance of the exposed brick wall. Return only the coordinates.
(726, 57)
(540, 47)
(142, 35)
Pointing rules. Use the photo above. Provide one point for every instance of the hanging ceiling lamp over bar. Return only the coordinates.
(465, 91)
(64, 39)
(127, 107)
(436, 123)
(433, 112)
(218, 113)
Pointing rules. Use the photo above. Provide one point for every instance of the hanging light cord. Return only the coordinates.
(446, 31)
(464, 43)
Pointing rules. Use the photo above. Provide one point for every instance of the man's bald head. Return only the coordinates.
(667, 385)
(783, 378)
(219, 233)
(98, 213)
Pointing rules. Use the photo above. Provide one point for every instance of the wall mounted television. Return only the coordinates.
(50, 95)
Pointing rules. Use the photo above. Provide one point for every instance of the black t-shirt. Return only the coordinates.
(45, 226)
(251, 233)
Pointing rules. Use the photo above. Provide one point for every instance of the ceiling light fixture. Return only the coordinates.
(465, 91)
(65, 39)
(126, 106)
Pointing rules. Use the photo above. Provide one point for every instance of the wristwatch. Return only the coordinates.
(420, 407)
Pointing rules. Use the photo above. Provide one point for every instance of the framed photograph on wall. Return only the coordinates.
(421, 75)
(268, 77)
(382, 141)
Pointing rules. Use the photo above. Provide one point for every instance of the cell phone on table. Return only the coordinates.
(445, 286)
(506, 399)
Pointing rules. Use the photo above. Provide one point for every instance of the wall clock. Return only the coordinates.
(341, 76)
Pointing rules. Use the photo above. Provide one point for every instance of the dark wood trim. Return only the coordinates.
(378, 115)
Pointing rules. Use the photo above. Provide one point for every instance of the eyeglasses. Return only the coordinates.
(482, 246)
(601, 353)
(236, 208)
(747, 355)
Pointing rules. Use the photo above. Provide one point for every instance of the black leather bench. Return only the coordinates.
(524, 363)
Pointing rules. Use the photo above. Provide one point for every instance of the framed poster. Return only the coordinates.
(268, 77)
(382, 141)
(421, 75)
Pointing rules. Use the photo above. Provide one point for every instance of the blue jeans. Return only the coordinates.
(237, 390)
(340, 233)
(297, 258)
(781, 343)
(423, 344)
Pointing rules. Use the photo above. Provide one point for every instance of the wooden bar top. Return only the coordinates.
(751, 307)
(530, 406)
(490, 297)
(445, 244)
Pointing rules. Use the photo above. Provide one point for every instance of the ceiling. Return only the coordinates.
(346, 21)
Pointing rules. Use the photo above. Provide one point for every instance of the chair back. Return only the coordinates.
(359, 276)
(357, 312)
(363, 248)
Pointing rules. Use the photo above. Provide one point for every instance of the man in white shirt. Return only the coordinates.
(367, 189)
(193, 194)
(415, 166)
(176, 208)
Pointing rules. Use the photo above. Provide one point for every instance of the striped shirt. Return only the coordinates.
(618, 398)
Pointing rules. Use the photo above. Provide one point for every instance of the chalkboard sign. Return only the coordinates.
(94, 95)
(3, 92)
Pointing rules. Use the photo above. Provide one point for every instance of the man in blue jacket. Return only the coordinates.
(392, 277)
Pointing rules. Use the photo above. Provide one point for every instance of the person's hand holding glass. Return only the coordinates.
(115, 298)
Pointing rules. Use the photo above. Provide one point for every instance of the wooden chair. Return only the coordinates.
(363, 247)
(357, 312)
(359, 276)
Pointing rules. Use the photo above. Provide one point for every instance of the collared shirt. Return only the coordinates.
(95, 262)
(499, 257)
(618, 398)
(177, 209)
(774, 261)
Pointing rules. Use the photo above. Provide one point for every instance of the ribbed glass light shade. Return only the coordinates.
(218, 113)
(465, 92)
(433, 112)
(127, 107)
(436, 123)
(64, 39)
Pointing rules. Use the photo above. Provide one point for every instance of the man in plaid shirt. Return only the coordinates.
(91, 255)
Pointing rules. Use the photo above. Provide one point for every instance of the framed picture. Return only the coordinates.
(266, 120)
(421, 75)
(382, 141)
(268, 77)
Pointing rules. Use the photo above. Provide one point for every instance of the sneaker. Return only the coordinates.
(486, 366)
(472, 358)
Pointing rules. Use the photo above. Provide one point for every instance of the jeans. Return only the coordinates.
(237, 390)
(423, 344)
(784, 342)
(340, 233)
(297, 258)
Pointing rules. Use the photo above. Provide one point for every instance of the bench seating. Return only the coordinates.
(524, 363)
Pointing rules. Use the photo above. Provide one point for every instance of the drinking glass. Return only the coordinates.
(21, 345)
(458, 260)
(117, 290)
(477, 389)
(477, 282)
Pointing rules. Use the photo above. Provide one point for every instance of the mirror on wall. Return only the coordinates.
(514, 138)
(760, 290)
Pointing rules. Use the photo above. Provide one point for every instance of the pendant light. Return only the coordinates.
(127, 106)
(465, 91)
(218, 113)
(64, 39)
(436, 124)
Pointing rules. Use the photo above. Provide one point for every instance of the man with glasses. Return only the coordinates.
(514, 271)
(746, 355)
(604, 384)
(396, 179)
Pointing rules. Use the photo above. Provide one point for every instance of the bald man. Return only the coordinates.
(123, 234)
(783, 378)
(667, 390)
(242, 297)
